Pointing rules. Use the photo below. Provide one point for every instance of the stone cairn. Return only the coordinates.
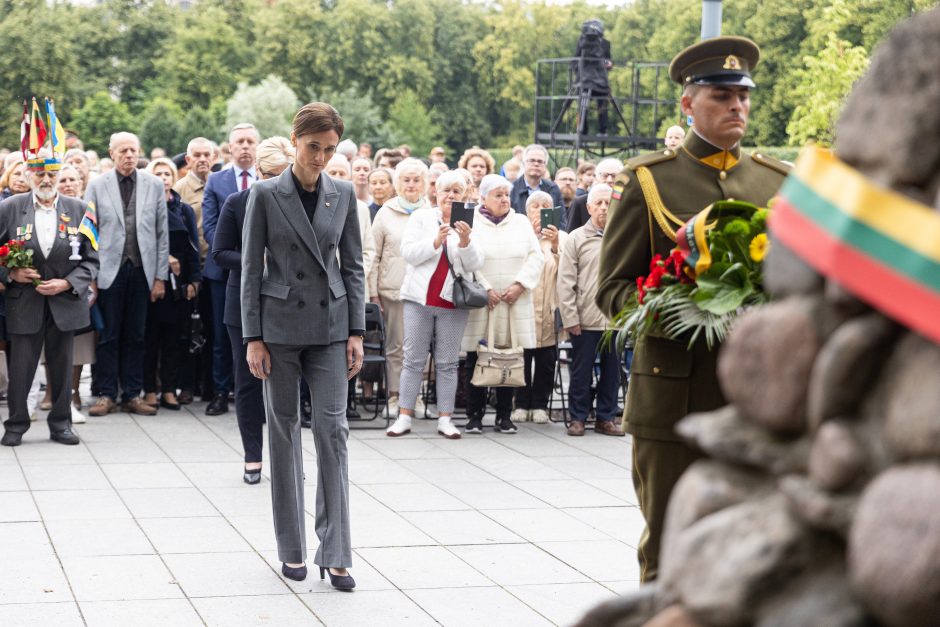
(819, 503)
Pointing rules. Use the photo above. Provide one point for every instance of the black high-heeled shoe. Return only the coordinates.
(297, 574)
(252, 477)
(340, 582)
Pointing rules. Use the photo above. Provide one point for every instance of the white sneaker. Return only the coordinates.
(401, 426)
(78, 418)
(520, 415)
(392, 408)
(447, 429)
(539, 416)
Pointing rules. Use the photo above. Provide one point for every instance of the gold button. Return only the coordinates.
(327, 204)
(757, 155)
(722, 175)
(656, 370)
(667, 152)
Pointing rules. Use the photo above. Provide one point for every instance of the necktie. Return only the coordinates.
(244, 180)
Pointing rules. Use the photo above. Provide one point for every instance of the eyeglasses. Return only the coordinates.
(536, 161)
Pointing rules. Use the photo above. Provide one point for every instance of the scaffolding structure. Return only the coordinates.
(564, 111)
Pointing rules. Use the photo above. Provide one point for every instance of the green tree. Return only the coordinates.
(362, 118)
(270, 105)
(411, 124)
(98, 119)
(161, 126)
(826, 78)
(199, 122)
(31, 66)
(204, 60)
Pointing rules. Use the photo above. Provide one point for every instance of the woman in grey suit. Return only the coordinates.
(303, 314)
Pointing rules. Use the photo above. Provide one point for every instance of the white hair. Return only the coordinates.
(340, 160)
(448, 178)
(198, 141)
(243, 126)
(410, 165)
(610, 162)
(538, 196)
(598, 190)
(438, 166)
(492, 182)
(347, 148)
(123, 136)
(676, 127)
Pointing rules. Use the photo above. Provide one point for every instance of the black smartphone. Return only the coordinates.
(462, 212)
(550, 217)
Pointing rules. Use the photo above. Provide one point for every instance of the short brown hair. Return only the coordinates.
(476, 151)
(317, 117)
(585, 166)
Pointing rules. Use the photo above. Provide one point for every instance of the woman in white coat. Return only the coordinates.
(511, 269)
(430, 246)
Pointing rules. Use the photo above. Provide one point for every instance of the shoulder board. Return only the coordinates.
(769, 162)
(652, 158)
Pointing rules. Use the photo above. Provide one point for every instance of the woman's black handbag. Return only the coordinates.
(468, 294)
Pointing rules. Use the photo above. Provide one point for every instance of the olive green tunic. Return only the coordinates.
(668, 380)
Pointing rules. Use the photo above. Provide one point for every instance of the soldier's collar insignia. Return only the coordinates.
(732, 63)
(724, 160)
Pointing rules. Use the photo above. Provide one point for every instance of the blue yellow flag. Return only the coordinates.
(56, 132)
(89, 225)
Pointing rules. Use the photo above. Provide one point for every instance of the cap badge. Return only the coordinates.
(732, 63)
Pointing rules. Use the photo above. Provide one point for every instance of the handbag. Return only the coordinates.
(499, 367)
(468, 294)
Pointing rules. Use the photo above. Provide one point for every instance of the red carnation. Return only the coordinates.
(657, 262)
(640, 290)
(655, 279)
(4, 251)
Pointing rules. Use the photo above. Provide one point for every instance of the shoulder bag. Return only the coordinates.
(468, 294)
(499, 367)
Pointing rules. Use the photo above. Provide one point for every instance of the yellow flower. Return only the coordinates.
(759, 247)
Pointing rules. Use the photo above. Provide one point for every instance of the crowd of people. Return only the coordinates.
(165, 319)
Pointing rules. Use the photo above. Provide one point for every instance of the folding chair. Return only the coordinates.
(375, 354)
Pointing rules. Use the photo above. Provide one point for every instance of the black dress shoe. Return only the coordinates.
(252, 477)
(352, 414)
(168, 405)
(185, 397)
(297, 574)
(11, 439)
(65, 436)
(340, 582)
(218, 406)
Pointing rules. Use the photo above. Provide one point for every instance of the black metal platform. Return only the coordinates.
(637, 121)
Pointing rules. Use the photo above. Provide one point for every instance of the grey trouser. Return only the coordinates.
(446, 327)
(324, 368)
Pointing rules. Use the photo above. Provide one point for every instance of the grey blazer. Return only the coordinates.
(152, 237)
(24, 306)
(301, 284)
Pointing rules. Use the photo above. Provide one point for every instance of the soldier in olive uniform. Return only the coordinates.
(653, 196)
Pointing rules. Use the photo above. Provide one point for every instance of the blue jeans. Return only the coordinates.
(221, 346)
(120, 354)
(584, 349)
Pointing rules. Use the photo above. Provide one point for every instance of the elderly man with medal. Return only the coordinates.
(46, 294)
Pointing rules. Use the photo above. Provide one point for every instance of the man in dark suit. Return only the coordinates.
(303, 314)
(535, 169)
(134, 251)
(50, 311)
(606, 172)
(243, 141)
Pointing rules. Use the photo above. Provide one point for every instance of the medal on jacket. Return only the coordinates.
(28, 233)
(61, 231)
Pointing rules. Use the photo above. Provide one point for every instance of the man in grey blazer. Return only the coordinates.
(134, 252)
(47, 313)
(303, 314)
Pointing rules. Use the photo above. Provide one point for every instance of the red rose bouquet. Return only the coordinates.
(713, 274)
(13, 255)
